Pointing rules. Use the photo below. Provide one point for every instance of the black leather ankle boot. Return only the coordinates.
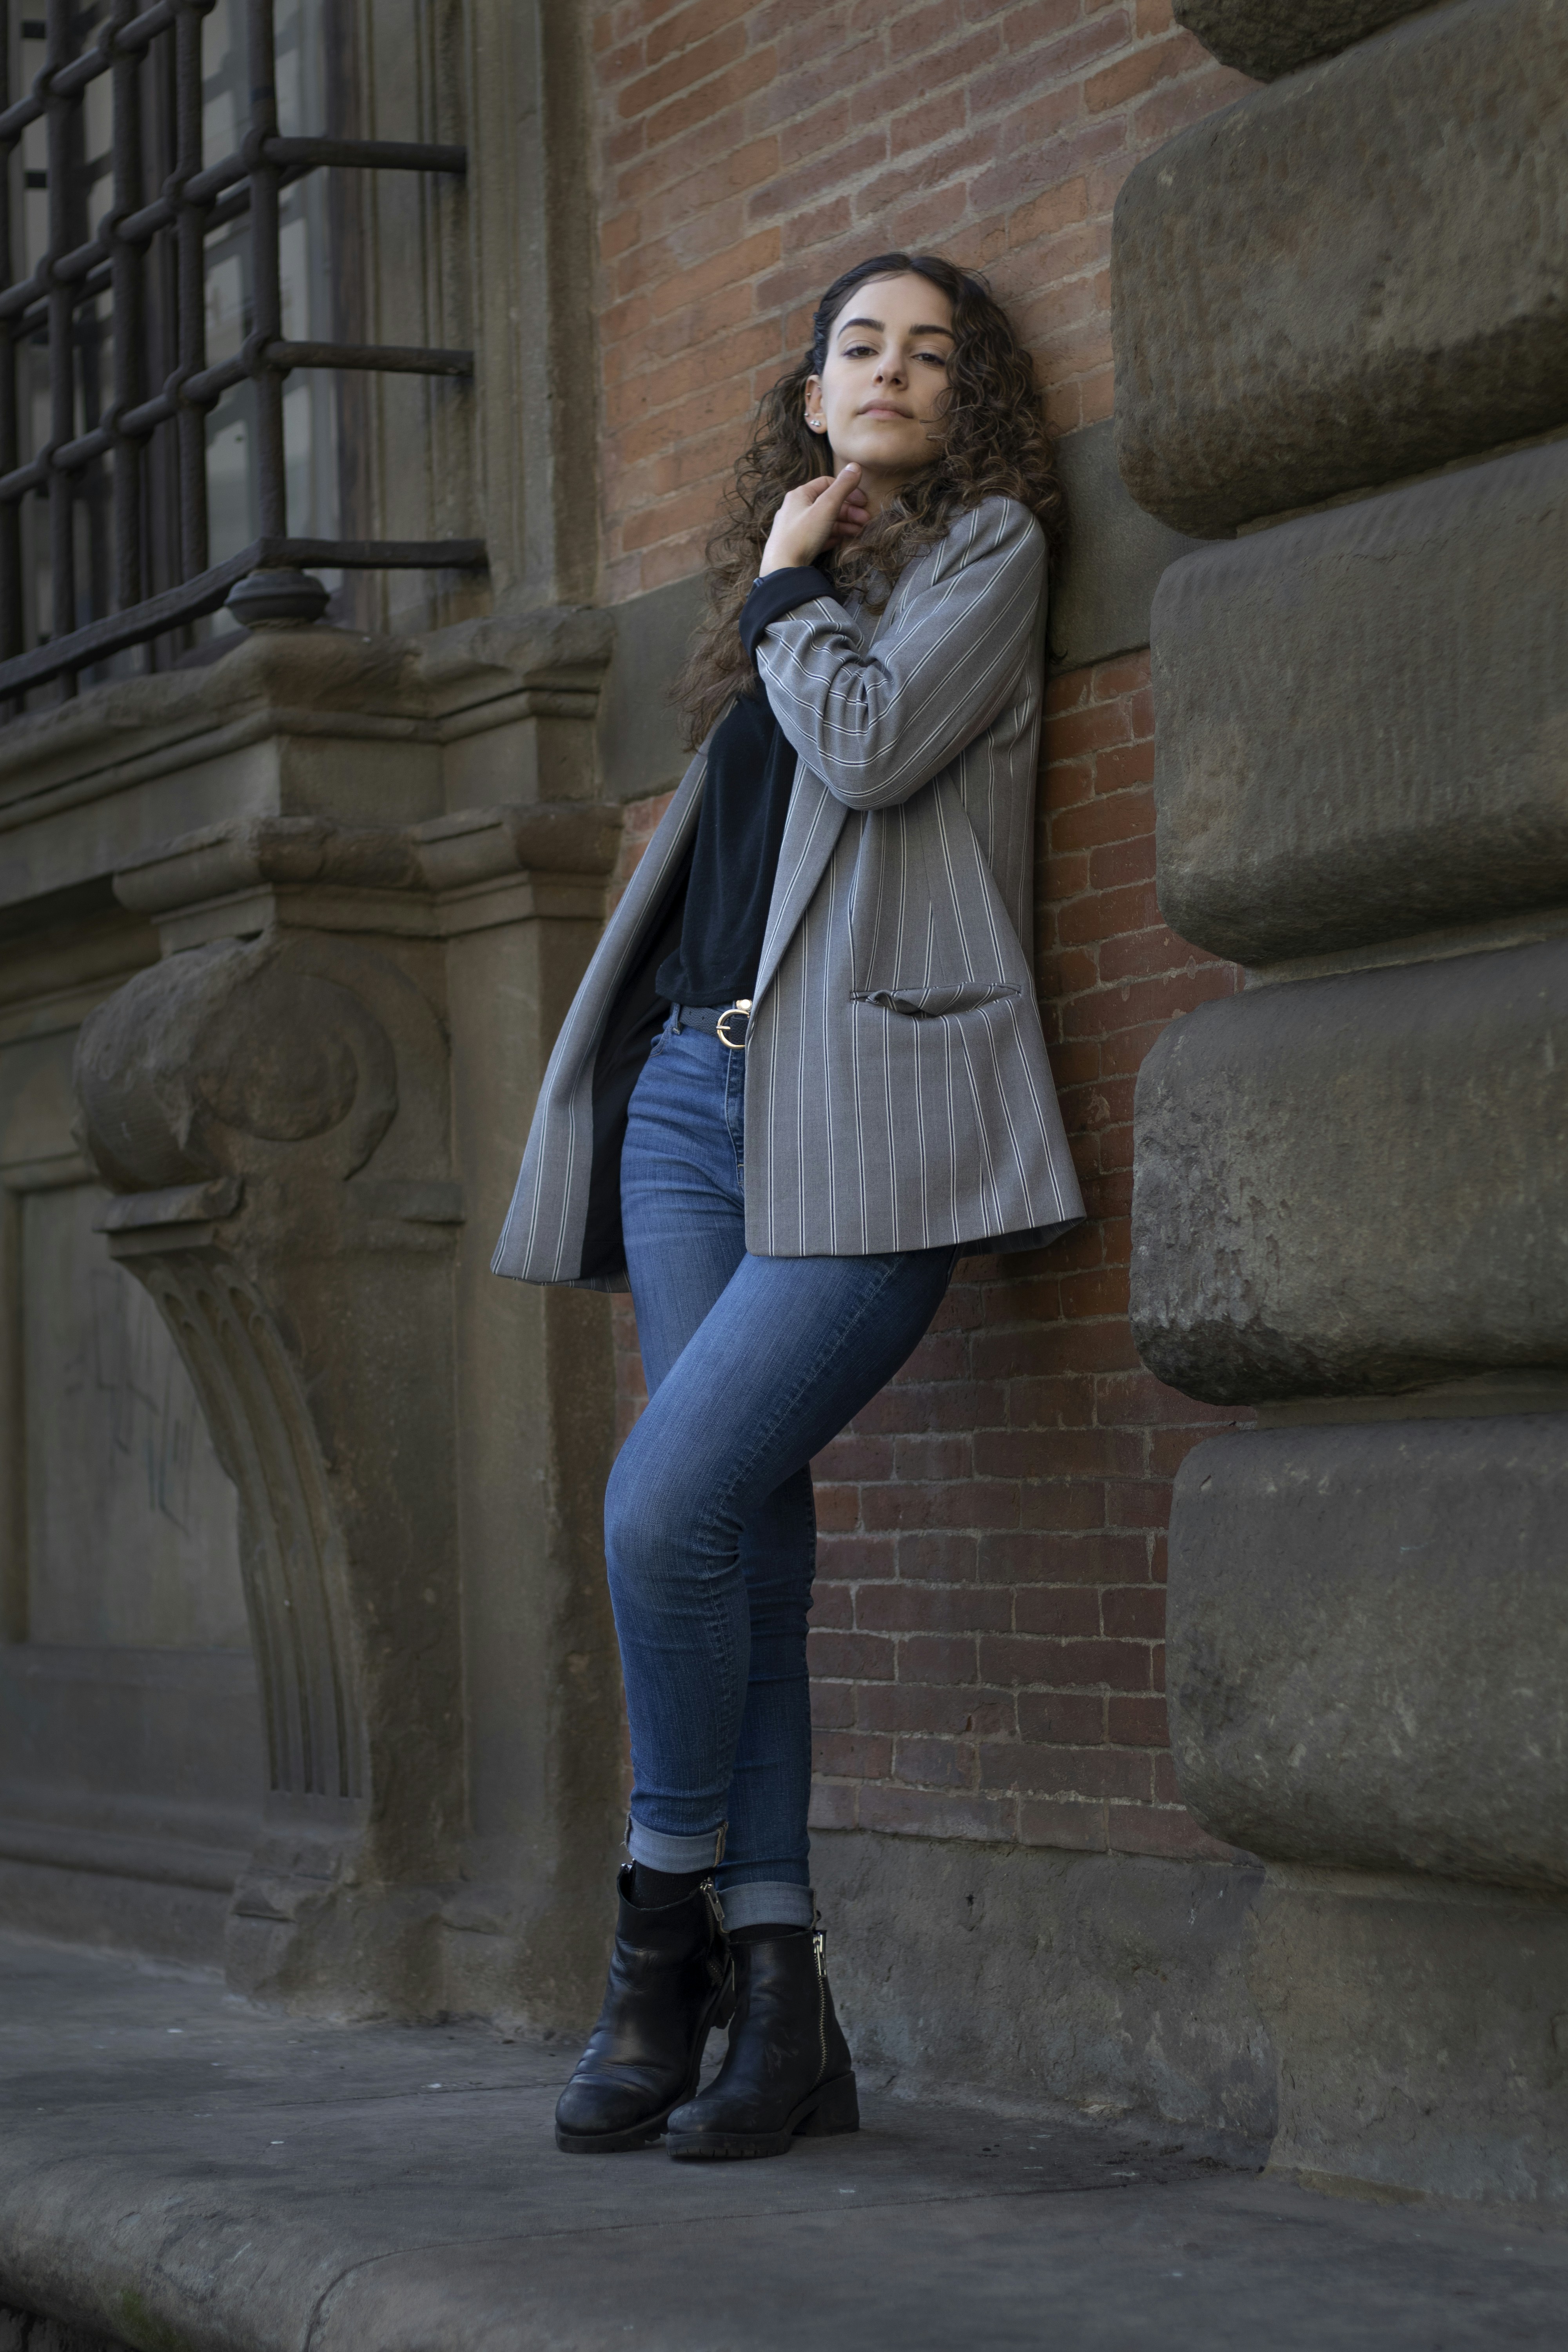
(788, 2074)
(670, 1982)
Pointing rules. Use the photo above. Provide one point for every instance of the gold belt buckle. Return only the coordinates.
(741, 1008)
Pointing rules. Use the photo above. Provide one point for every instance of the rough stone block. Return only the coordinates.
(1350, 277)
(1368, 1649)
(1363, 717)
(1357, 1184)
(1421, 2033)
(1269, 38)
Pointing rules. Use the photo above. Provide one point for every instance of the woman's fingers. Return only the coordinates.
(833, 488)
(809, 518)
(853, 516)
(841, 486)
(821, 520)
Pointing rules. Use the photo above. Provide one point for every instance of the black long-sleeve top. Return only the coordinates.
(745, 799)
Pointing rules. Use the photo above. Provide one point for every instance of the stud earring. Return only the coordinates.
(816, 424)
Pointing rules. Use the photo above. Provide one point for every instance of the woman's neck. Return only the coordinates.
(880, 489)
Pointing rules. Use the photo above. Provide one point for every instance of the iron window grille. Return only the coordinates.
(145, 263)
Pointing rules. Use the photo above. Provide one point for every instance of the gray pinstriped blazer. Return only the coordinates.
(898, 1091)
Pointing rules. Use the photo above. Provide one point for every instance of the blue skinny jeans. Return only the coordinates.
(752, 1365)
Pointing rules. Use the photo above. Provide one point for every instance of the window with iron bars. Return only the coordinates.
(167, 372)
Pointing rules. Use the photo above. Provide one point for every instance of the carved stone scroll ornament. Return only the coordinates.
(232, 1096)
(224, 1061)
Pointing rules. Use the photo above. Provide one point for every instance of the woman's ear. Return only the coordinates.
(815, 419)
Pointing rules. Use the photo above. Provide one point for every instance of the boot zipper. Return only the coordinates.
(719, 1951)
(817, 1941)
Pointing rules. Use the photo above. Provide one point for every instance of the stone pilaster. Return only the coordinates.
(272, 1104)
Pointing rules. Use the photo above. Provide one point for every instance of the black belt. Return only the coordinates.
(718, 1020)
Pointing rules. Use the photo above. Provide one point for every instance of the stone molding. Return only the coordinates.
(552, 660)
(369, 733)
(387, 849)
(1346, 340)
(451, 874)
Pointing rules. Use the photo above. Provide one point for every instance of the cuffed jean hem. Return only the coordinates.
(772, 1903)
(657, 1849)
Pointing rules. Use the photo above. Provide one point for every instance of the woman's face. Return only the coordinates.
(879, 394)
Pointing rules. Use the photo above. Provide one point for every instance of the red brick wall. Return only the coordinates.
(748, 151)
(986, 1635)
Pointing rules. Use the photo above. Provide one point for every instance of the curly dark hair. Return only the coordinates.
(995, 441)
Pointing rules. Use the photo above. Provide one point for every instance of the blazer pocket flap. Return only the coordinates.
(927, 1004)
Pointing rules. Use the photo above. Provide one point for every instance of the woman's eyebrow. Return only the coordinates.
(879, 327)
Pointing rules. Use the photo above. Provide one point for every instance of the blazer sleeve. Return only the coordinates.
(876, 726)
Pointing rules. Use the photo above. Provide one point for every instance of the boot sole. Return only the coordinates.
(831, 2108)
(614, 2142)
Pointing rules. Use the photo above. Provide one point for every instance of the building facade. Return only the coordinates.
(307, 1662)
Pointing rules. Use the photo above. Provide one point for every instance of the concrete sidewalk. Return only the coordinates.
(181, 2174)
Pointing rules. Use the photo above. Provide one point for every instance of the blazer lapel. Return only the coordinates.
(811, 832)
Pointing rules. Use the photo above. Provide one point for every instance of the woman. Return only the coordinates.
(803, 1073)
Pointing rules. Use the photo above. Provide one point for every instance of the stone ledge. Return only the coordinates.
(205, 2176)
(1344, 343)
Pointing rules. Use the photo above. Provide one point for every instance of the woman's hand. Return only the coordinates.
(829, 510)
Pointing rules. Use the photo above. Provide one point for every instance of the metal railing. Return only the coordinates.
(141, 227)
